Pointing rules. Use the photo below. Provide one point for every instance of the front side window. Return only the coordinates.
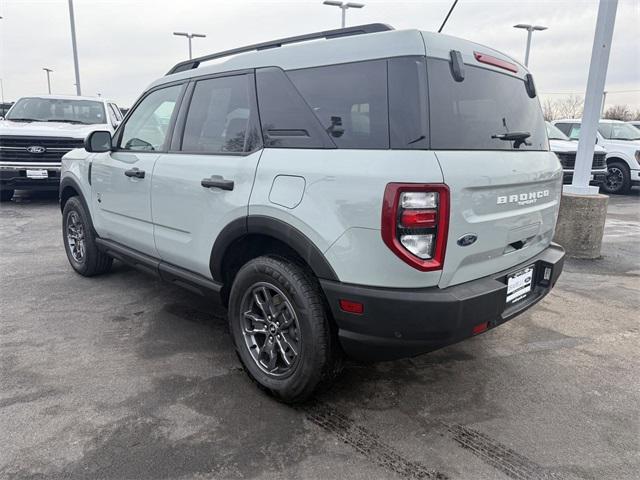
(35, 109)
(483, 112)
(220, 117)
(148, 125)
(349, 100)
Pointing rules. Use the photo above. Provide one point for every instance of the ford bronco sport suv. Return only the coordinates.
(39, 130)
(376, 192)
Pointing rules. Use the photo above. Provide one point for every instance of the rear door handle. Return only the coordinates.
(134, 172)
(216, 181)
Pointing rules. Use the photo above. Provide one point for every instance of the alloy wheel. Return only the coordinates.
(270, 329)
(614, 179)
(75, 236)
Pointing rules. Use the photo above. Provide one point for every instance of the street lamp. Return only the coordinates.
(343, 6)
(529, 29)
(48, 70)
(190, 36)
(74, 45)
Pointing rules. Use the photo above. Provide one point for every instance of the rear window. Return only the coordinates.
(466, 115)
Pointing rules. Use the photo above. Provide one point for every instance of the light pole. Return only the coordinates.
(1, 91)
(75, 47)
(190, 36)
(529, 29)
(48, 70)
(343, 6)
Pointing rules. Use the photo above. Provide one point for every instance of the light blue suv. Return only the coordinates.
(373, 192)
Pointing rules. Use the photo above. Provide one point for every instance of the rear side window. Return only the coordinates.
(219, 117)
(287, 121)
(468, 115)
(349, 100)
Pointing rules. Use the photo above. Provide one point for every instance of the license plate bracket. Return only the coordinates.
(37, 173)
(519, 284)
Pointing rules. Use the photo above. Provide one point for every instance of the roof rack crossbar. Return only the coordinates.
(327, 34)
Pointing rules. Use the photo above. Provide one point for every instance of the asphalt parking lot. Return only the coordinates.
(124, 377)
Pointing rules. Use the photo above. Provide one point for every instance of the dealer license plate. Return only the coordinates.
(37, 174)
(519, 284)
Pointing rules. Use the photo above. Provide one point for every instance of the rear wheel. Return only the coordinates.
(6, 194)
(618, 179)
(79, 241)
(281, 329)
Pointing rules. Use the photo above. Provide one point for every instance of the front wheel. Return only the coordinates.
(618, 179)
(280, 328)
(80, 241)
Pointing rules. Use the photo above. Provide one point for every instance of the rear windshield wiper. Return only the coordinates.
(517, 137)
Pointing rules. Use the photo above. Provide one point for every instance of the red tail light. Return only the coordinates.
(415, 223)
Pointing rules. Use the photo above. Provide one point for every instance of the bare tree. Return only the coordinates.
(549, 109)
(618, 112)
(636, 116)
(570, 107)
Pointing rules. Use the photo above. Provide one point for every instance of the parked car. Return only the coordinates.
(39, 130)
(4, 108)
(363, 210)
(566, 151)
(622, 143)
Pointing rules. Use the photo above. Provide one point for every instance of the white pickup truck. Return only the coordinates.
(37, 131)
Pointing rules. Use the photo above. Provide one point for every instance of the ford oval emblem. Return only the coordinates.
(468, 239)
(36, 149)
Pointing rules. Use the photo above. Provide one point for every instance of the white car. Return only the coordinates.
(622, 143)
(566, 151)
(635, 123)
(37, 131)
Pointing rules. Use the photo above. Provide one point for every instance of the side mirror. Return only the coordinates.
(98, 142)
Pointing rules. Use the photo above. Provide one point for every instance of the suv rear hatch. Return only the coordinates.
(505, 188)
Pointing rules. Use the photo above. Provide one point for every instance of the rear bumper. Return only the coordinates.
(15, 177)
(598, 177)
(399, 323)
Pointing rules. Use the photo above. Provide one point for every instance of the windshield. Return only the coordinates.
(618, 131)
(58, 110)
(554, 133)
(488, 110)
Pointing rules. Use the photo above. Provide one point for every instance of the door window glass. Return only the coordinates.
(148, 124)
(219, 117)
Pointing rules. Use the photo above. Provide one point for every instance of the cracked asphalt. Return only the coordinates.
(125, 377)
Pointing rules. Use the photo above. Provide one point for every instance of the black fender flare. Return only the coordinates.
(71, 182)
(277, 229)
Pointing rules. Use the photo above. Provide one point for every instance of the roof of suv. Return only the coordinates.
(352, 47)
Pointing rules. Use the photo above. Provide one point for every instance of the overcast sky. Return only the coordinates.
(125, 44)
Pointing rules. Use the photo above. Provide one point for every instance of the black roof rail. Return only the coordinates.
(339, 32)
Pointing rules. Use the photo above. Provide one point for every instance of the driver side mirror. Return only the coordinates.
(98, 142)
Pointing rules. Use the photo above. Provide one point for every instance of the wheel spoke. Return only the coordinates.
(283, 353)
(288, 344)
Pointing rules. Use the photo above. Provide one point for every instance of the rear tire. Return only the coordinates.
(6, 194)
(281, 329)
(618, 179)
(80, 241)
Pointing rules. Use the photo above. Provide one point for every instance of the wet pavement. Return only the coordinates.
(125, 377)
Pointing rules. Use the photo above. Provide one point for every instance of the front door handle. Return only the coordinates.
(216, 181)
(134, 172)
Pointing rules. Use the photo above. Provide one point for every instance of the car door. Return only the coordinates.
(204, 182)
(121, 178)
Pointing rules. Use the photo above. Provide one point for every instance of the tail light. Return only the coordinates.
(415, 223)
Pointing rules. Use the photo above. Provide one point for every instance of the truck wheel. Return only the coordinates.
(281, 329)
(6, 194)
(618, 179)
(79, 241)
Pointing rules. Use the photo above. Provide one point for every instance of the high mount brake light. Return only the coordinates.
(496, 62)
(415, 223)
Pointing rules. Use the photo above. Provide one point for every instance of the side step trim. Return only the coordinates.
(159, 268)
